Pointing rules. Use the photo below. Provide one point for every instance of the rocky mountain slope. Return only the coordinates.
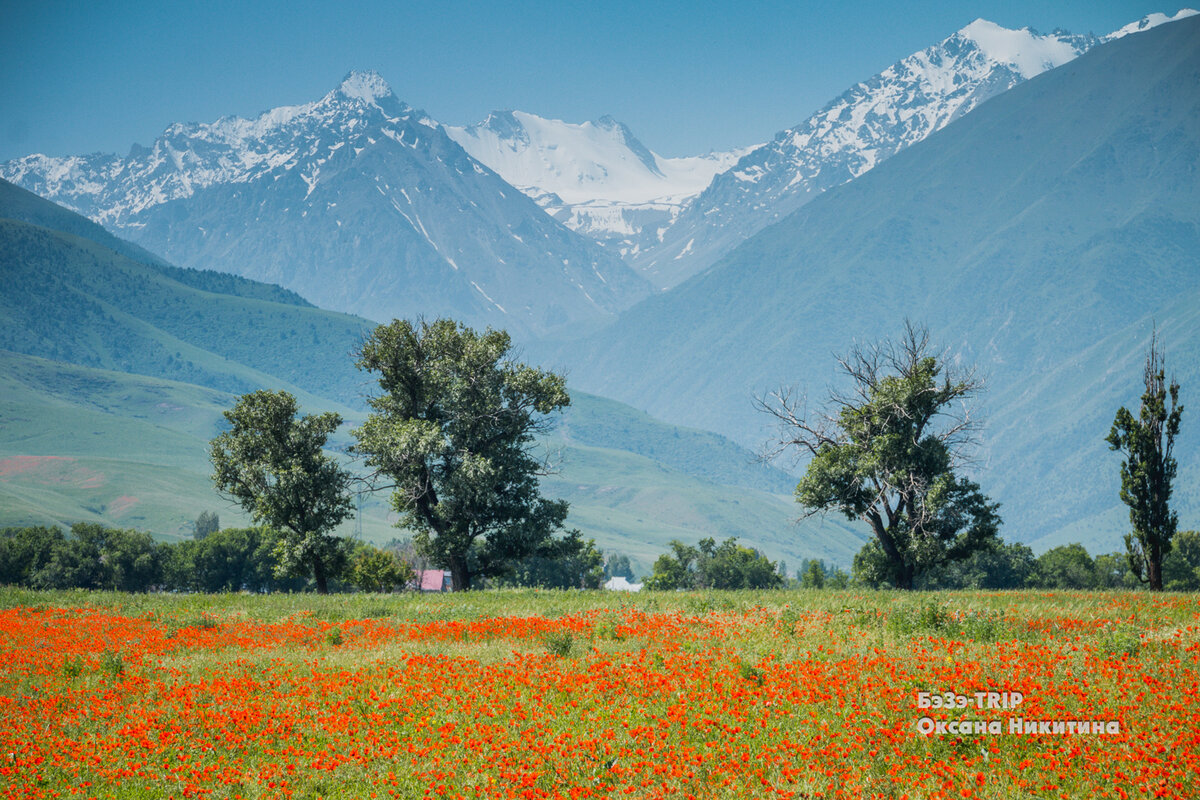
(867, 124)
(357, 202)
(1040, 237)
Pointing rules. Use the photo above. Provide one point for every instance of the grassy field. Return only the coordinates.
(534, 694)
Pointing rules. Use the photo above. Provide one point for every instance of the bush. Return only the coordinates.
(1066, 567)
(709, 566)
(558, 643)
(375, 570)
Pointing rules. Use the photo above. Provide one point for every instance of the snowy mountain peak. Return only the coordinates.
(1151, 21)
(622, 133)
(192, 156)
(581, 162)
(367, 86)
(1023, 49)
(594, 177)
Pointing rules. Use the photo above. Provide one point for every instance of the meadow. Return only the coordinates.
(535, 694)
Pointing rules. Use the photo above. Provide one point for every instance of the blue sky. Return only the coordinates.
(79, 77)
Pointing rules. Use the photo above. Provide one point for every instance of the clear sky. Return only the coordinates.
(686, 77)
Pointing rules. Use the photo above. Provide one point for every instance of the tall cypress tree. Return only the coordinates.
(1148, 469)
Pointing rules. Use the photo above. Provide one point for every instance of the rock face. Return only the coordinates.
(357, 202)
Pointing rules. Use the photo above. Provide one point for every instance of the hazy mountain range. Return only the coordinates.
(1041, 237)
(115, 367)
(1033, 198)
(363, 204)
(356, 201)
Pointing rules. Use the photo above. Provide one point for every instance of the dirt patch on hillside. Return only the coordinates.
(50, 471)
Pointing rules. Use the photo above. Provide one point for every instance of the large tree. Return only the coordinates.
(1149, 469)
(274, 466)
(453, 430)
(887, 452)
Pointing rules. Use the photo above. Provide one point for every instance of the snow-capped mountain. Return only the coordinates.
(594, 177)
(358, 202)
(871, 121)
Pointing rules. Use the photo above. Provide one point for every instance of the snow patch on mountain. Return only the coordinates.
(1151, 21)
(1029, 53)
(855, 132)
(356, 201)
(583, 162)
(595, 177)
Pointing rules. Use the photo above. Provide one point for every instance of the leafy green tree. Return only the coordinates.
(617, 566)
(813, 575)
(229, 560)
(1149, 469)
(712, 566)
(836, 578)
(96, 557)
(379, 570)
(454, 430)
(887, 453)
(734, 566)
(272, 464)
(1112, 571)
(1181, 567)
(1066, 567)
(26, 552)
(675, 570)
(567, 563)
(208, 522)
(1002, 566)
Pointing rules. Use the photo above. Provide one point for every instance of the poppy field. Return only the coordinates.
(526, 694)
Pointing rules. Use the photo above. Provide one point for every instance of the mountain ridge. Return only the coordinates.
(1011, 233)
(357, 202)
(876, 118)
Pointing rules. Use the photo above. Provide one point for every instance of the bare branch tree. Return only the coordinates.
(885, 449)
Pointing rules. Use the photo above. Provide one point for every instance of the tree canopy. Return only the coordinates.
(453, 429)
(272, 464)
(712, 566)
(887, 452)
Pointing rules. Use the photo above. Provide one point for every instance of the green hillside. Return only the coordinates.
(72, 300)
(82, 444)
(1039, 237)
(114, 374)
(25, 206)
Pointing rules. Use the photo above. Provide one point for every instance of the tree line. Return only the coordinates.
(255, 559)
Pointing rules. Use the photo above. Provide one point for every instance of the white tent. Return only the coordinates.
(620, 584)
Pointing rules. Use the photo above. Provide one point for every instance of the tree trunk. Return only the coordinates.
(319, 575)
(460, 576)
(904, 571)
(1154, 569)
